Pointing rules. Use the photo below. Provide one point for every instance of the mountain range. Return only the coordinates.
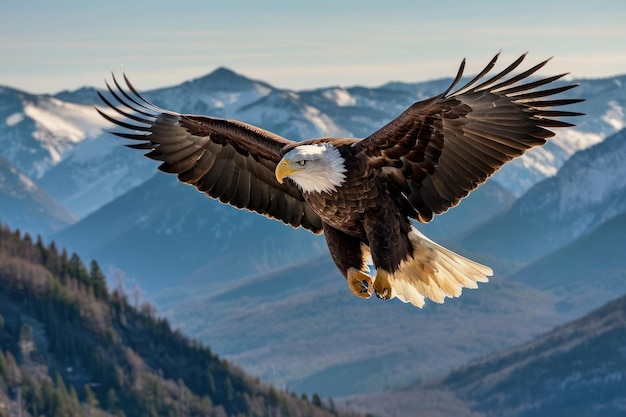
(59, 141)
(588, 190)
(574, 370)
(560, 285)
(549, 224)
(208, 236)
(300, 327)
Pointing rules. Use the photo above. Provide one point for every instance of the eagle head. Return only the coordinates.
(314, 168)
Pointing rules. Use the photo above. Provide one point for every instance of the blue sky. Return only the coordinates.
(51, 46)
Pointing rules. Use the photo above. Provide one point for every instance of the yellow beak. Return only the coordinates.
(283, 170)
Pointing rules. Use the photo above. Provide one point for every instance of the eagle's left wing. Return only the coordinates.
(226, 159)
(442, 148)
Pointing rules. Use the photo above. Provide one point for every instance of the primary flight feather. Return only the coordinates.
(362, 194)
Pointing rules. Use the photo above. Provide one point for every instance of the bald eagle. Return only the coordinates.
(362, 194)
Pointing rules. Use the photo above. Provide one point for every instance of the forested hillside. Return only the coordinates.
(68, 347)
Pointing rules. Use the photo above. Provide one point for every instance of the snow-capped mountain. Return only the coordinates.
(59, 140)
(587, 191)
(37, 131)
(226, 94)
(605, 101)
(285, 112)
(359, 110)
(220, 93)
(24, 205)
(95, 172)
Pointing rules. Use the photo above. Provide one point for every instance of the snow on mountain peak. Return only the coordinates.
(25, 183)
(574, 140)
(339, 96)
(226, 80)
(66, 120)
(14, 119)
(219, 94)
(286, 114)
(588, 178)
(59, 126)
(615, 115)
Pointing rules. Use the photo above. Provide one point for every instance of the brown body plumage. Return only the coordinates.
(363, 193)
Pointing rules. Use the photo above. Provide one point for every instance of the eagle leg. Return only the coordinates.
(382, 288)
(359, 283)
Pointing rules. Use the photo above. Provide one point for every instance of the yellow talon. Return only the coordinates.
(382, 288)
(359, 283)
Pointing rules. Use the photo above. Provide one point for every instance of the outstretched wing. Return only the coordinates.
(442, 148)
(228, 160)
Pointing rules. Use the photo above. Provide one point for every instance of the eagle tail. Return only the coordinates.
(434, 272)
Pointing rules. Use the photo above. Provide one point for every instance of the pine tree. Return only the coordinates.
(77, 269)
(97, 280)
(272, 397)
(52, 259)
(63, 266)
(14, 374)
(90, 397)
(228, 388)
(33, 395)
(3, 366)
(331, 407)
(112, 400)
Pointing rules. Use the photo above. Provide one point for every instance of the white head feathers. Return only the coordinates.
(316, 168)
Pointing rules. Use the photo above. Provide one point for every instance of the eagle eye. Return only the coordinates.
(301, 162)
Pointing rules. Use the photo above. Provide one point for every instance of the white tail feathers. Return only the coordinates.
(434, 272)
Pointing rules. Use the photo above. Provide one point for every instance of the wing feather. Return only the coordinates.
(446, 146)
(226, 159)
(241, 198)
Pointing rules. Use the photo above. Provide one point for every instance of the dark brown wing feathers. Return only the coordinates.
(228, 160)
(432, 155)
(446, 146)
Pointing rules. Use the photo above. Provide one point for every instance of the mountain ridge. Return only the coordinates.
(575, 369)
(588, 190)
(69, 347)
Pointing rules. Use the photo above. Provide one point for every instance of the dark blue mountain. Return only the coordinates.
(163, 231)
(587, 191)
(25, 206)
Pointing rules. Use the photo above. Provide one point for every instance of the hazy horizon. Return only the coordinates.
(49, 47)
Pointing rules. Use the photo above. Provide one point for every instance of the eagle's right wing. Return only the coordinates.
(226, 159)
